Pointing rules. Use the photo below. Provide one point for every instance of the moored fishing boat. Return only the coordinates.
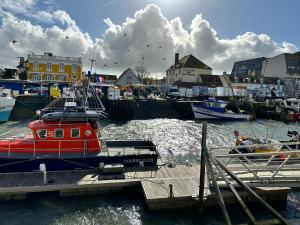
(70, 145)
(6, 105)
(212, 109)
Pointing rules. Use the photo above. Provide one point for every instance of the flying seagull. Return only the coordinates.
(67, 37)
(125, 35)
(14, 41)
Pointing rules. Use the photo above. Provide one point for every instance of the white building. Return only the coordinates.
(128, 78)
(282, 66)
(285, 67)
(187, 70)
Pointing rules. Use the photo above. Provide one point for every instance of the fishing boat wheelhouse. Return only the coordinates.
(54, 138)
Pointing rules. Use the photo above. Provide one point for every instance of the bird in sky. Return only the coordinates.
(159, 47)
(67, 37)
(14, 41)
(125, 35)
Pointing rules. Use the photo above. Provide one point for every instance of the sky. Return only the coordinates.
(128, 33)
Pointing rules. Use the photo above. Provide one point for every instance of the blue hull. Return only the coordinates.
(10, 165)
(4, 115)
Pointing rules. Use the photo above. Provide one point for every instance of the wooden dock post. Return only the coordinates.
(171, 190)
(44, 171)
(202, 166)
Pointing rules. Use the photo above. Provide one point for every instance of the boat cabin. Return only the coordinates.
(56, 138)
(215, 105)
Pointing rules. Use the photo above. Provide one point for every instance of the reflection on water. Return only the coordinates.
(177, 141)
(180, 140)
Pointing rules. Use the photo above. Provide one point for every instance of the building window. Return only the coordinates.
(74, 68)
(59, 133)
(49, 66)
(49, 77)
(75, 133)
(36, 76)
(61, 77)
(61, 67)
(35, 66)
(42, 133)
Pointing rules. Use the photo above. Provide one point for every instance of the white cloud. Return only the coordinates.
(44, 16)
(27, 9)
(149, 27)
(148, 34)
(39, 40)
(17, 6)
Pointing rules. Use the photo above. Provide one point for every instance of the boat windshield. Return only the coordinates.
(216, 104)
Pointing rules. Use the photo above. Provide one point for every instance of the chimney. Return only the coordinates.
(176, 58)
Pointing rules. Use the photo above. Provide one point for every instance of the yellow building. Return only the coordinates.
(48, 67)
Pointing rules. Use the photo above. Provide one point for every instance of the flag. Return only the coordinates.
(100, 79)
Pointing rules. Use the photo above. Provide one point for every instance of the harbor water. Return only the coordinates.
(178, 141)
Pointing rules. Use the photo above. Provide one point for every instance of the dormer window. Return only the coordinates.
(59, 133)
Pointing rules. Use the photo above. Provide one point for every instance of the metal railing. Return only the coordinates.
(215, 166)
(264, 168)
(37, 147)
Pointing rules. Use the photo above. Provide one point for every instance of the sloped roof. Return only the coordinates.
(190, 61)
(128, 71)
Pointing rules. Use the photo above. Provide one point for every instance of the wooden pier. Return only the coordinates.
(165, 187)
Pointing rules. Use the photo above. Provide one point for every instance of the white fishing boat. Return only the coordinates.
(6, 105)
(212, 109)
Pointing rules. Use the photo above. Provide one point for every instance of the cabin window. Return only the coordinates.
(42, 133)
(59, 133)
(75, 133)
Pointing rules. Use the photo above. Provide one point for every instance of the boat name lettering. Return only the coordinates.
(137, 160)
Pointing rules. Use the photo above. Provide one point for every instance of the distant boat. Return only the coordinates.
(6, 105)
(213, 109)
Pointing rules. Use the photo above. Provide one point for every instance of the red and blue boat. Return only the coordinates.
(69, 145)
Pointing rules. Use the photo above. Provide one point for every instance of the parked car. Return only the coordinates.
(173, 92)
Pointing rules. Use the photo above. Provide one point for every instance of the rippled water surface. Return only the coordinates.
(178, 141)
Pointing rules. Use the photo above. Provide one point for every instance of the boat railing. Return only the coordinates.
(270, 167)
(58, 147)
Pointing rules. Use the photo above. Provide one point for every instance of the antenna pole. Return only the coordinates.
(92, 62)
